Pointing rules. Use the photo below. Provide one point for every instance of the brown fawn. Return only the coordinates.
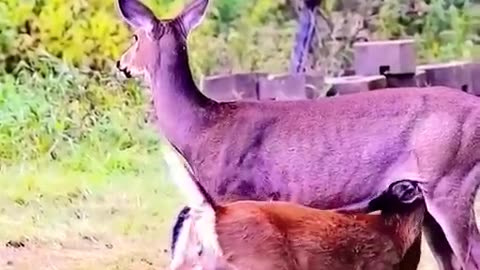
(290, 150)
(259, 235)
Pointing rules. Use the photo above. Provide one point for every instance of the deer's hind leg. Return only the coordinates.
(450, 202)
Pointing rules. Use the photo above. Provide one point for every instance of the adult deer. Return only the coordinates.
(336, 153)
(253, 235)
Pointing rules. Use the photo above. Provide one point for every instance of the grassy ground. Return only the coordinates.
(52, 219)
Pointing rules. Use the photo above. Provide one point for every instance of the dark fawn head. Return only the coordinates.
(403, 210)
(401, 196)
(156, 40)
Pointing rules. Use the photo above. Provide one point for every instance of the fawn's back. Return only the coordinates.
(262, 235)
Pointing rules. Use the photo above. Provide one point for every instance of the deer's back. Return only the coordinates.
(330, 153)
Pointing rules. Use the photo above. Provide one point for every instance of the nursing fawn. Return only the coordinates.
(259, 235)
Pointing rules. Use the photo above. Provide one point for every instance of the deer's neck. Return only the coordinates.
(180, 107)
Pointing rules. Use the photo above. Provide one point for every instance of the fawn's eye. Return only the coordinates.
(135, 37)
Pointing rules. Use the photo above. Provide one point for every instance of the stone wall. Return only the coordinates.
(377, 65)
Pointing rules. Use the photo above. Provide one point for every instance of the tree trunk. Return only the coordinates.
(304, 35)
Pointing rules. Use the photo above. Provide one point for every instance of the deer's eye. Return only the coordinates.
(135, 37)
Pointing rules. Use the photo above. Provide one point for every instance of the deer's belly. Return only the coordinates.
(316, 182)
(320, 166)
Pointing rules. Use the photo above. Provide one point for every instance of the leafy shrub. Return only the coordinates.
(90, 34)
(444, 30)
(85, 33)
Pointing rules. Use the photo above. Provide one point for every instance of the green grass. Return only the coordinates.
(115, 216)
(82, 180)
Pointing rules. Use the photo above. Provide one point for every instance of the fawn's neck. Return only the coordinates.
(181, 109)
(405, 225)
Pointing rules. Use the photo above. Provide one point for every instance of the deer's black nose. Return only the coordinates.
(125, 71)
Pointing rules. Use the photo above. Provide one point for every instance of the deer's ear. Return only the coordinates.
(137, 14)
(193, 14)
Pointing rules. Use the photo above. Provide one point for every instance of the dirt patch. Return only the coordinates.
(81, 255)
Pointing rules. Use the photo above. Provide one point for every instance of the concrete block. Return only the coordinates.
(314, 83)
(417, 79)
(475, 78)
(385, 57)
(356, 84)
(231, 87)
(455, 74)
(421, 78)
(289, 86)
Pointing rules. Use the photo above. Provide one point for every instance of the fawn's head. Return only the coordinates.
(153, 37)
(401, 196)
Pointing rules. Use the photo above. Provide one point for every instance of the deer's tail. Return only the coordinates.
(187, 181)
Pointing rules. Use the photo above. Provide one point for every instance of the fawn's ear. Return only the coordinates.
(193, 14)
(137, 14)
(406, 191)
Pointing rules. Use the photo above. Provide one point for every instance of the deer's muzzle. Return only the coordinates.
(125, 70)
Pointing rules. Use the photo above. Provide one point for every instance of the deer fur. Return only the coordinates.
(251, 235)
(291, 150)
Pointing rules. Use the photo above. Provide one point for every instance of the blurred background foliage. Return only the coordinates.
(61, 99)
(242, 35)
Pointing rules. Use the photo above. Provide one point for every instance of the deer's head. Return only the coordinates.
(153, 36)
